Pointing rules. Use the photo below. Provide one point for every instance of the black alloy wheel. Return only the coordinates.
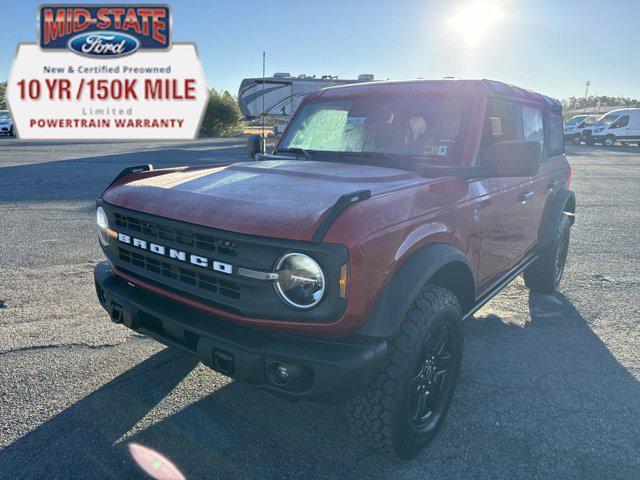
(431, 380)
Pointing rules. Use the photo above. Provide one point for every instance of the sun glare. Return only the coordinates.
(474, 20)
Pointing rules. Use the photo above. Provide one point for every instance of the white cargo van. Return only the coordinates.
(621, 125)
(575, 125)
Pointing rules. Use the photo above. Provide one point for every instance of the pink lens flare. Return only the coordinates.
(155, 464)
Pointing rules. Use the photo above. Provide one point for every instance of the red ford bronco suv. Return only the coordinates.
(340, 266)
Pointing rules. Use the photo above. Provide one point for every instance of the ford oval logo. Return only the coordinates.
(104, 44)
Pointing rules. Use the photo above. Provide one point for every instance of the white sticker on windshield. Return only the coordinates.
(355, 120)
(442, 150)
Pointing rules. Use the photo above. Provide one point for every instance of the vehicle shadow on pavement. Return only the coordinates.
(543, 398)
(79, 441)
(86, 178)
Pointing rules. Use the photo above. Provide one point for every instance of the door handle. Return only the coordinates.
(524, 197)
(552, 184)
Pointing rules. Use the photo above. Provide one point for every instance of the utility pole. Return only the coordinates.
(264, 61)
(586, 92)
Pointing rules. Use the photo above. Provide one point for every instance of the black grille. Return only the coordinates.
(187, 276)
(179, 235)
(224, 290)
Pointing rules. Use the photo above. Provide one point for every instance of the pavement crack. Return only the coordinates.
(54, 346)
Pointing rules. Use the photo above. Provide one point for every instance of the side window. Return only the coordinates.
(623, 121)
(532, 125)
(501, 123)
(556, 134)
(590, 121)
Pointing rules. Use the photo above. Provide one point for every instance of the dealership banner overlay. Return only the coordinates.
(106, 72)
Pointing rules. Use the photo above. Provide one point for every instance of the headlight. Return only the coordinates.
(300, 280)
(103, 226)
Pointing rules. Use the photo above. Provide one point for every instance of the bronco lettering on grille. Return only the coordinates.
(176, 254)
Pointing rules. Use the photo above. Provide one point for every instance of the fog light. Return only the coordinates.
(288, 375)
(282, 373)
(279, 374)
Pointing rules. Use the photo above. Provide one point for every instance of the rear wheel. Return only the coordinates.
(408, 400)
(609, 141)
(577, 139)
(545, 273)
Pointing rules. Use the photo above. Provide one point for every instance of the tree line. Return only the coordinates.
(577, 103)
(3, 89)
(222, 115)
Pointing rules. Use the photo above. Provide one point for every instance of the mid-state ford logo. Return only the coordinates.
(104, 44)
(105, 30)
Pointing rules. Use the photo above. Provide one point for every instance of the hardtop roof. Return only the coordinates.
(493, 88)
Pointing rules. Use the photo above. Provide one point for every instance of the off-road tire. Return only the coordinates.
(380, 415)
(544, 275)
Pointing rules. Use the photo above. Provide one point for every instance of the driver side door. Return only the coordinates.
(505, 209)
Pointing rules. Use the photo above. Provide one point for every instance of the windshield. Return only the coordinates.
(574, 120)
(4, 114)
(409, 126)
(608, 119)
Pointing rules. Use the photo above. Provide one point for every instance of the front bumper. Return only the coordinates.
(329, 371)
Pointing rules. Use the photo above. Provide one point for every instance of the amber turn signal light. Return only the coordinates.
(344, 280)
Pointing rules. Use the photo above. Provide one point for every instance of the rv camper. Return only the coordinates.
(278, 97)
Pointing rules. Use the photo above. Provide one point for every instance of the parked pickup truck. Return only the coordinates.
(340, 267)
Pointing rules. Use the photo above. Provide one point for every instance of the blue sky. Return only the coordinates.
(547, 45)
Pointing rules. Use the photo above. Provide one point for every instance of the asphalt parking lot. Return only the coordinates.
(550, 386)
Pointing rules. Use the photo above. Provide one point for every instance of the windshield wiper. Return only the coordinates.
(295, 150)
(404, 162)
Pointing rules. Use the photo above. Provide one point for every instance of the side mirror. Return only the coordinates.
(255, 145)
(514, 158)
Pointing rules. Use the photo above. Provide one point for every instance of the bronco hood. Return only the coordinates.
(275, 198)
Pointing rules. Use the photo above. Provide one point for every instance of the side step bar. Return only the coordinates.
(497, 288)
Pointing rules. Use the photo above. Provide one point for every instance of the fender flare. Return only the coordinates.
(558, 207)
(394, 302)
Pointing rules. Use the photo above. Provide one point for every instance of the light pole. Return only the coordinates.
(586, 92)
